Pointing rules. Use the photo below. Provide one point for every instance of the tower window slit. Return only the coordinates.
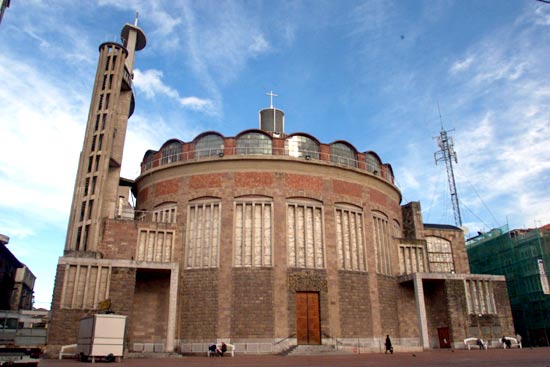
(82, 210)
(104, 121)
(92, 190)
(90, 163)
(86, 186)
(90, 208)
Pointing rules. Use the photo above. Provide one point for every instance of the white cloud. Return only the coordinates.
(150, 82)
(462, 65)
(196, 103)
(42, 127)
(259, 45)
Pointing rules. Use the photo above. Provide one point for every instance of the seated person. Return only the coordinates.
(222, 350)
(212, 348)
(479, 342)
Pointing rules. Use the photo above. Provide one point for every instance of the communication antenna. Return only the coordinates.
(448, 154)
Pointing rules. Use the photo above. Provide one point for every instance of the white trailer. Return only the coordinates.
(101, 335)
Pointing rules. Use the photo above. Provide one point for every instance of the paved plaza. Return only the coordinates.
(536, 357)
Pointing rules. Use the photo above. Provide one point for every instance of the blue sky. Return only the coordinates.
(369, 72)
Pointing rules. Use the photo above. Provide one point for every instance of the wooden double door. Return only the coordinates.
(308, 318)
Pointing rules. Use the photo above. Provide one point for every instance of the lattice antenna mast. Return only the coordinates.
(448, 154)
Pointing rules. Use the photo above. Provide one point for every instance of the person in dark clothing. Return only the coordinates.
(389, 348)
(212, 348)
(223, 349)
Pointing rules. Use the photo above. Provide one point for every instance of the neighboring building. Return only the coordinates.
(8, 267)
(265, 238)
(4, 4)
(523, 256)
(22, 294)
(16, 280)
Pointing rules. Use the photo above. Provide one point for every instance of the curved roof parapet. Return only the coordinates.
(303, 134)
(149, 152)
(372, 152)
(169, 141)
(390, 168)
(116, 44)
(141, 40)
(244, 132)
(210, 132)
(345, 143)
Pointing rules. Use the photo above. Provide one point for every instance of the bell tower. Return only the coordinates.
(97, 179)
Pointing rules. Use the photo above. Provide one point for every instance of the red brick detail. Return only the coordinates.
(377, 197)
(361, 161)
(278, 146)
(206, 181)
(143, 195)
(347, 188)
(303, 182)
(229, 145)
(325, 152)
(188, 151)
(254, 179)
(167, 187)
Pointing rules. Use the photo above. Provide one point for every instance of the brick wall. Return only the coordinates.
(252, 305)
(119, 239)
(199, 304)
(355, 307)
(206, 181)
(388, 293)
(407, 313)
(150, 311)
(166, 187)
(436, 308)
(65, 323)
(303, 182)
(347, 188)
(254, 179)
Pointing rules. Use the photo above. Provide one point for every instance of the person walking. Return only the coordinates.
(388, 345)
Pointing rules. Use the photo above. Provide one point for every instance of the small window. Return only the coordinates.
(254, 143)
(373, 164)
(171, 153)
(210, 145)
(302, 146)
(342, 154)
(149, 161)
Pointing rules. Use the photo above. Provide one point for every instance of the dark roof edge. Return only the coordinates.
(441, 226)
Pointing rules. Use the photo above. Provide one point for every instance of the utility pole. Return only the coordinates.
(448, 154)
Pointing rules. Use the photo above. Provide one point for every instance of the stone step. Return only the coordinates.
(306, 350)
(152, 355)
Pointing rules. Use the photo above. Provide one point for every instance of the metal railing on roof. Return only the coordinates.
(217, 153)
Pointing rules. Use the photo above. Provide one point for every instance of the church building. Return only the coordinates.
(264, 239)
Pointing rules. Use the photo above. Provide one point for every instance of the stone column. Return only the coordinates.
(421, 310)
(172, 307)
